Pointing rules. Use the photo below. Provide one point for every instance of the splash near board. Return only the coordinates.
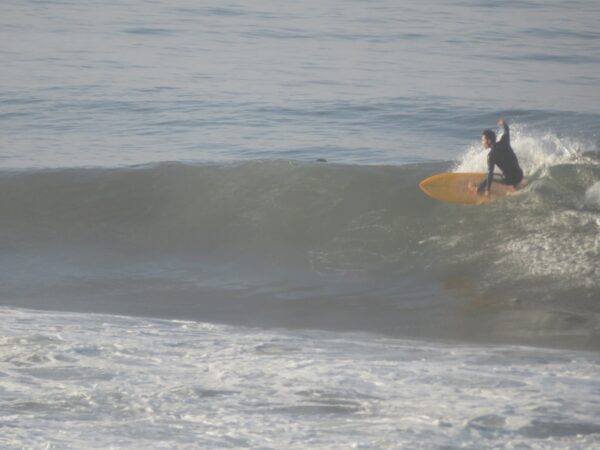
(454, 188)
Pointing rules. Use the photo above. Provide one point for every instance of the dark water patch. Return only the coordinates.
(518, 4)
(562, 33)
(223, 12)
(553, 57)
(150, 31)
(66, 374)
(488, 422)
(540, 429)
(316, 410)
(199, 392)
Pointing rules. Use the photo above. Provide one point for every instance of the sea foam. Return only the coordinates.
(535, 150)
(592, 196)
(99, 381)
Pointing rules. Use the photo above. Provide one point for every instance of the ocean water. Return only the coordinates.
(212, 234)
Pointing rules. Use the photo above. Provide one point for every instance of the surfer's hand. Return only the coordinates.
(472, 187)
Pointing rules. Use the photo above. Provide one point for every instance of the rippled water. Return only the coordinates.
(386, 82)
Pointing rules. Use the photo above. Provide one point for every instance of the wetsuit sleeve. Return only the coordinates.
(505, 139)
(487, 183)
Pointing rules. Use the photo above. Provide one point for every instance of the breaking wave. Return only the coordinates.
(286, 232)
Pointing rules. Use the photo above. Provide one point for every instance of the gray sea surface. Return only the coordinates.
(118, 83)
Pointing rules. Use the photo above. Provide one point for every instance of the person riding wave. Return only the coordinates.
(502, 155)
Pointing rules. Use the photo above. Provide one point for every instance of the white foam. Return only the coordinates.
(553, 249)
(535, 151)
(592, 196)
(93, 381)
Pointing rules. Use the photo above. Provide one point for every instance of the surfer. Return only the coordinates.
(502, 155)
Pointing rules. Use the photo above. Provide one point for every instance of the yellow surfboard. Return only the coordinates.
(454, 188)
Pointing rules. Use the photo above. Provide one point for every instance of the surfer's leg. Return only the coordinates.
(521, 182)
(520, 185)
(512, 186)
(516, 183)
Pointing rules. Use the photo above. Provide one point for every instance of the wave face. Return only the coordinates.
(299, 244)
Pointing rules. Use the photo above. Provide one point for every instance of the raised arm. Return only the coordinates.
(505, 139)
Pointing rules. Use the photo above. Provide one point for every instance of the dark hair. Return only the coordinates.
(490, 135)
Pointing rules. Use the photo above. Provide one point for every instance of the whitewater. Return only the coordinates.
(212, 235)
(92, 381)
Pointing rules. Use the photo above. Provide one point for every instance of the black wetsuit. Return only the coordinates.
(503, 156)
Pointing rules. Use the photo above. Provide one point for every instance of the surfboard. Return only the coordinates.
(454, 188)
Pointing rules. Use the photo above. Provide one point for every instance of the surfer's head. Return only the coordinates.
(488, 138)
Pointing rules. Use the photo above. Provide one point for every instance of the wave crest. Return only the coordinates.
(536, 151)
